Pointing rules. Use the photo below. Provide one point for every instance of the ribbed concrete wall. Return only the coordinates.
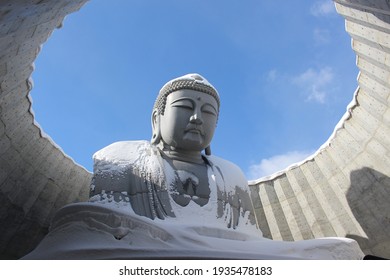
(36, 178)
(344, 189)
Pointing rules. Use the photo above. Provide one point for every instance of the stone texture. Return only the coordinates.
(36, 178)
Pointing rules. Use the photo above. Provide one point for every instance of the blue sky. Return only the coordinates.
(285, 72)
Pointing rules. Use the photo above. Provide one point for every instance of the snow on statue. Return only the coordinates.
(167, 199)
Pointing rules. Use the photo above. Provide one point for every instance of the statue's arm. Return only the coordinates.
(122, 175)
(110, 185)
(237, 193)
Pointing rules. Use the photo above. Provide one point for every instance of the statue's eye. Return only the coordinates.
(183, 103)
(209, 109)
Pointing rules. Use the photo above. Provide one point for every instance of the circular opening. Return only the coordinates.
(285, 72)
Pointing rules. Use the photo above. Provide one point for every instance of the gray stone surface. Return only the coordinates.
(344, 189)
(36, 178)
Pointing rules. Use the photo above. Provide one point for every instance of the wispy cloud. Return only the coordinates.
(276, 163)
(272, 75)
(314, 83)
(323, 8)
(321, 36)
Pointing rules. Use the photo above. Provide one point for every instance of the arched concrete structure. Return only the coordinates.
(36, 178)
(343, 190)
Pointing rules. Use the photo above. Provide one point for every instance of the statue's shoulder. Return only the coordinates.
(120, 163)
(229, 171)
(121, 154)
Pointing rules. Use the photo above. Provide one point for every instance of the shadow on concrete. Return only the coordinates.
(375, 7)
(19, 233)
(369, 200)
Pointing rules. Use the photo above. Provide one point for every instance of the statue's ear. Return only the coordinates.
(156, 135)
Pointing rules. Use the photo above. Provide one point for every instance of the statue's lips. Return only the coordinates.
(194, 130)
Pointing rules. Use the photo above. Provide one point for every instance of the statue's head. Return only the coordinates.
(185, 114)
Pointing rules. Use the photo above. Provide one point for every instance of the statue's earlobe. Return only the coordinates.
(156, 135)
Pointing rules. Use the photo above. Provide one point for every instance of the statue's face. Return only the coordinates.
(189, 120)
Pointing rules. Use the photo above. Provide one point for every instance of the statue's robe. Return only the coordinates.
(132, 214)
(136, 172)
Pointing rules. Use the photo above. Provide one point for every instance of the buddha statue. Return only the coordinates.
(170, 198)
(171, 171)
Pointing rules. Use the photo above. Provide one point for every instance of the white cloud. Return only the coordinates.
(271, 76)
(276, 163)
(323, 8)
(315, 83)
(321, 36)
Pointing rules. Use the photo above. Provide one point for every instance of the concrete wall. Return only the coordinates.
(342, 191)
(36, 178)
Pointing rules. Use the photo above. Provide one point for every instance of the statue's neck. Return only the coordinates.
(184, 155)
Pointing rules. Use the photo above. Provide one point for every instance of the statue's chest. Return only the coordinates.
(191, 183)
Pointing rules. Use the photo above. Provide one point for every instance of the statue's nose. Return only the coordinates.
(196, 119)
